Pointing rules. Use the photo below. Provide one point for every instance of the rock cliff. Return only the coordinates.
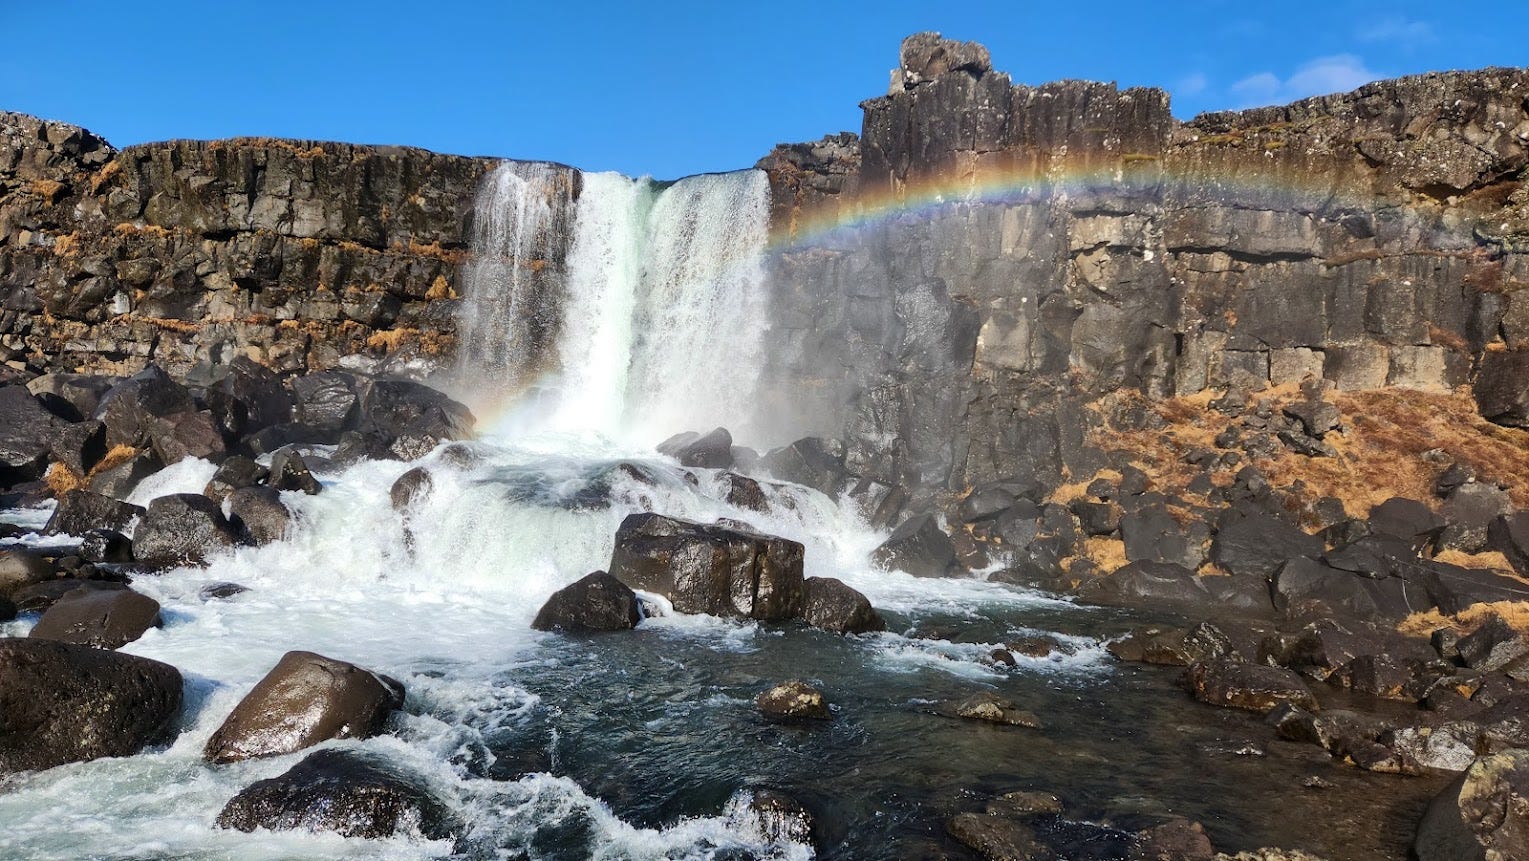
(959, 293)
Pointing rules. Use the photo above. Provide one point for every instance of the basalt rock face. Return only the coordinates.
(992, 256)
(295, 253)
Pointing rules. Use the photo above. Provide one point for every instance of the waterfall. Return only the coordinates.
(508, 308)
(652, 323)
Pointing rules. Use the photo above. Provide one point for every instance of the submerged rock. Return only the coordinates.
(775, 816)
(61, 703)
(305, 699)
(988, 706)
(595, 602)
(793, 699)
(996, 838)
(342, 791)
(830, 604)
(711, 569)
(106, 619)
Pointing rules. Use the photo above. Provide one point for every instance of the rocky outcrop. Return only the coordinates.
(710, 568)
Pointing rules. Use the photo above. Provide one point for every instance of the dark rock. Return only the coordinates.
(1174, 840)
(776, 816)
(106, 619)
(987, 502)
(234, 473)
(1097, 518)
(1492, 646)
(220, 590)
(79, 447)
(119, 481)
(713, 450)
(182, 529)
(744, 492)
(1316, 417)
(305, 699)
(1509, 535)
(989, 707)
(266, 401)
(8, 610)
(1257, 544)
(80, 511)
(830, 604)
(38, 597)
(1483, 814)
(27, 433)
(1153, 535)
(413, 418)
(1469, 512)
(918, 547)
(1247, 686)
(1453, 478)
(1025, 803)
(326, 401)
(1147, 583)
(290, 472)
(259, 513)
(1300, 582)
(596, 602)
(150, 410)
(812, 461)
(1173, 647)
(81, 391)
(995, 838)
(65, 703)
(1377, 675)
(710, 568)
(793, 700)
(343, 791)
(1502, 387)
(927, 56)
(20, 567)
(409, 487)
(1407, 519)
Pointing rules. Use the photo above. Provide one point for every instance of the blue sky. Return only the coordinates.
(668, 88)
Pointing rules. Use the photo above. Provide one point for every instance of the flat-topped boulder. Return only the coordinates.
(710, 568)
(104, 618)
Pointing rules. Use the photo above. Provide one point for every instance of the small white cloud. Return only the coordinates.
(1192, 85)
(1396, 30)
(1336, 74)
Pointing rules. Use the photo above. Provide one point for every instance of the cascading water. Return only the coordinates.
(659, 309)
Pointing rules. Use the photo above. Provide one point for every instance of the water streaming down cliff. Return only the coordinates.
(653, 322)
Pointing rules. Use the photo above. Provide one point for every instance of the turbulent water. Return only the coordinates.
(633, 745)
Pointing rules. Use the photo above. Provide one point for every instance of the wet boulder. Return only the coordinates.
(793, 700)
(305, 699)
(234, 473)
(265, 401)
(811, 461)
(1482, 814)
(710, 568)
(595, 602)
(119, 480)
(8, 609)
(182, 529)
(150, 410)
(919, 547)
(989, 707)
(65, 703)
(346, 792)
(38, 597)
(411, 418)
(20, 567)
(1175, 840)
(410, 486)
(987, 501)
(1254, 687)
(326, 401)
(80, 511)
(831, 604)
(996, 838)
(712, 450)
(259, 514)
(103, 618)
(290, 472)
(744, 492)
(220, 590)
(773, 814)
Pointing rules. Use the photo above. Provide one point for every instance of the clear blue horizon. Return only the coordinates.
(666, 89)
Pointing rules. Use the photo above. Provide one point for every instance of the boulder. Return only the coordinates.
(8, 609)
(409, 487)
(1174, 840)
(596, 602)
(220, 590)
(1257, 544)
(832, 605)
(150, 410)
(1097, 518)
(27, 432)
(259, 514)
(1254, 687)
(1469, 512)
(65, 703)
(995, 838)
(104, 618)
(1151, 534)
(776, 816)
(744, 492)
(988, 706)
(713, 450)
(1483, 814)
(79, 447)
(290, 472)
(1502, 387)
(305, 699)
(811, 461)
(81, 391)
(926, 56)
(411, 417)
(711, 569)
(326, 401)
(182, 529)
(1302, 582)
(233, 474)
(1148, 583)
(20, 567)
(119, 481)
(1509, 535)
(264, 399)
(1492, 646)
(38, 597)
(1407, 519)
(919, 547)
(80, 511)
(346, 792)
(793, 700)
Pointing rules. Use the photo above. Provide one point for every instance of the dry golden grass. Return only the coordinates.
(47, 189)
(1515, 613)
(1380, 451)
(104, 175)
(66, 244)
(1489, 561)
(1108, 554)
(61, 479)
(115, 456)
(440, 288)
(1066, 493)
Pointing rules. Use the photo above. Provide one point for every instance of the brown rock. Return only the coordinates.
(793, 699)
(106, 619)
